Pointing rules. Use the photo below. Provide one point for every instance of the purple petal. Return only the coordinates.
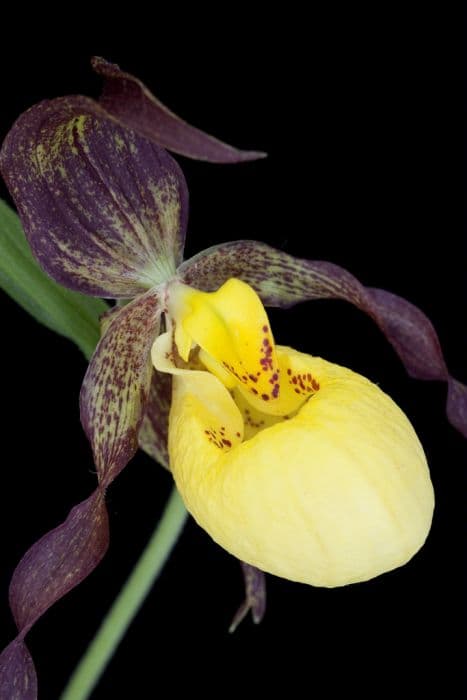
(18, 679)
(255, 600)
(153, 436)
(59, 561)
(116, 386)
(104, 210)
(113, 402)
(128, 100)
(49, 569)
(282, 280)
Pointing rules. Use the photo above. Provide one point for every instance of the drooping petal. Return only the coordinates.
(59, 561)
(104, 210)
(126, 98)
(113, 402)
(282, 280)
(338, 493)
(50, 568)
(116, 386)
(255, 600)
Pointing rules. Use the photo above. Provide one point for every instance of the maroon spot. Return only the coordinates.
(315, 385)
(275, 391)
(265, 342)
(308, 376)
(289, 372)
(253, 390)
(237, 434)
(265, 329)
(265, 397)
(226, 442)
(252, 377)
(275, 377)
(297, 391)
(294, 380)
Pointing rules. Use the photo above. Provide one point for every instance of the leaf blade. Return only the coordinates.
(67, 313)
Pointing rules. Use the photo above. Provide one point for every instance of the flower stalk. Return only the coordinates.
(129, 601)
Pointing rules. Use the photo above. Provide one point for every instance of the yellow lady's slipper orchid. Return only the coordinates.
(295, 465)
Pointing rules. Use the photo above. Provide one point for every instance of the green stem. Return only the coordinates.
(128, 602)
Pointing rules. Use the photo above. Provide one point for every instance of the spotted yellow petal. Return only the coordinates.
(337, 493)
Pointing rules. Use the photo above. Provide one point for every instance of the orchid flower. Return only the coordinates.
(294, 465)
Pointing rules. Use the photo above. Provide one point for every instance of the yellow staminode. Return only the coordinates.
(293, 464)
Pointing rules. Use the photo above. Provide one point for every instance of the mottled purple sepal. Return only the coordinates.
(282, 280)
(128, 100)
(104, 209)
(153, 436)
(255, 596)
(116, 386)
(18, 679)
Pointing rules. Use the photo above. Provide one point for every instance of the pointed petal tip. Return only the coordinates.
(239, 616)
(247, 156)
(130, 102)
(255, 597)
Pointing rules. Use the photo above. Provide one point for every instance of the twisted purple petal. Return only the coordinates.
(113, 403)
(50, 568)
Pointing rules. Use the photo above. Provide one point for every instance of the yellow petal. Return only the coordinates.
(339, 492)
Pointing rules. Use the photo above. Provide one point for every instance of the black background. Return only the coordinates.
(361, 116)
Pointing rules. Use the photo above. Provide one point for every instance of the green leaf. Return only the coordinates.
(67, 313)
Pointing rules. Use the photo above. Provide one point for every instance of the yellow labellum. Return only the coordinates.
(323, 482)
